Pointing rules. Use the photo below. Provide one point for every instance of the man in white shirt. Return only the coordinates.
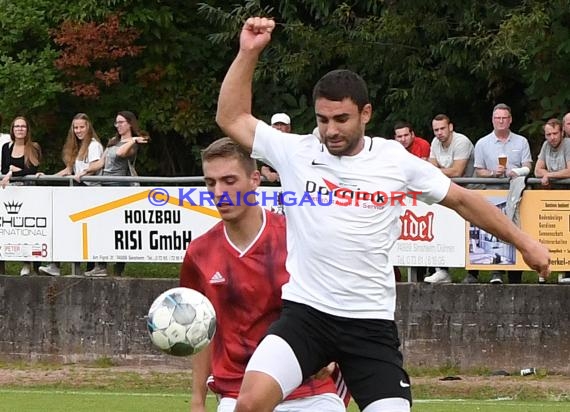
(340, 300)
(452, 153)
(502, 153)
(279, 121)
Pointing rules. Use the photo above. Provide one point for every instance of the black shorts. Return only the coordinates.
(365, 349)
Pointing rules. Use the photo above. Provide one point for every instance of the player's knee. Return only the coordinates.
(250, 403)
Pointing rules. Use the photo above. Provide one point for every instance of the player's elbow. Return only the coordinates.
(222, 121)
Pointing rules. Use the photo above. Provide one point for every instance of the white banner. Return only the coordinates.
(128, 224)
(26, 223)
(431, 236)
(146, 224)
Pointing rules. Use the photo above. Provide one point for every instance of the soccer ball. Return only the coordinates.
(181, 321)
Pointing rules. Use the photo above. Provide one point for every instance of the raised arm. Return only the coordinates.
(474, 208)
(234, 103)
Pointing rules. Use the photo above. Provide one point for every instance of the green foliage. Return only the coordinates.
(419, 58)
(28, 79)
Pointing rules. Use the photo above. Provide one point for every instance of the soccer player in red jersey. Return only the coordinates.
(239, 265)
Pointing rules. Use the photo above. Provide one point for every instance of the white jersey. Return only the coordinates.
(338, 251)
(94, 152)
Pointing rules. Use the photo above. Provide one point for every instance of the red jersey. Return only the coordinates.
(420, 148)
(245, 289)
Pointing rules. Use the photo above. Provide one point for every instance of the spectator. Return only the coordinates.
(452, 153)
(247, 266)
(419, 147)
(279, 121)
(566, 124)
(81, 151)
(514, 148)
(554, 163)
(20, 157)
(118, 159)
(4, 138)
(404, 133)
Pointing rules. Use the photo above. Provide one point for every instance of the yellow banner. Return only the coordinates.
(546, 216)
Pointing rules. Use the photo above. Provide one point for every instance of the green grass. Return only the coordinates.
(31, 400)
(102, 386)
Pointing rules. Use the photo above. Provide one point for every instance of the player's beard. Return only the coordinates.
(349, 147)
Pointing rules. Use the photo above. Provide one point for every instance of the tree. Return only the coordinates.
(28, 80)
(91, 53)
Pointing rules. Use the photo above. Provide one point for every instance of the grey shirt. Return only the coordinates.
(116, 165)
(555, 159)
(460, 148)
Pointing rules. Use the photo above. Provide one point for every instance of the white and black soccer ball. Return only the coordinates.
(181, 321)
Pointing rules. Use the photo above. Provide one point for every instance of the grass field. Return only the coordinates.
(104, 386)
(16, 400)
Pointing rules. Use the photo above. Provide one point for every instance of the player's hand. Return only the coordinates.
(537, 257)
(325, 372)
(256, 33)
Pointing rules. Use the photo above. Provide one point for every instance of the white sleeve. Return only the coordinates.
(274, 147)
(95, 151)
(431, 149)
(427, 181)
(526, 156)
(479, 156)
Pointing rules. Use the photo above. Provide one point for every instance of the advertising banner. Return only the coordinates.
(485, 251)
(546, 216)
(128, 224)
(431, 236)
(26, 223)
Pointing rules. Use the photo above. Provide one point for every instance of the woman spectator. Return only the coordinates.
(81, 151)
(20, 157)
(118, 158)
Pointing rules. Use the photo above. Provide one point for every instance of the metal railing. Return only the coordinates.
(150, 180)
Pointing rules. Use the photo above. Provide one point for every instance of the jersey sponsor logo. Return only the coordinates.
(416, 227)
(217, 278)
(404, 384)
(341, 195)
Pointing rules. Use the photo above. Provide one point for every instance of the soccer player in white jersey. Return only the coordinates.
(340, 300)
